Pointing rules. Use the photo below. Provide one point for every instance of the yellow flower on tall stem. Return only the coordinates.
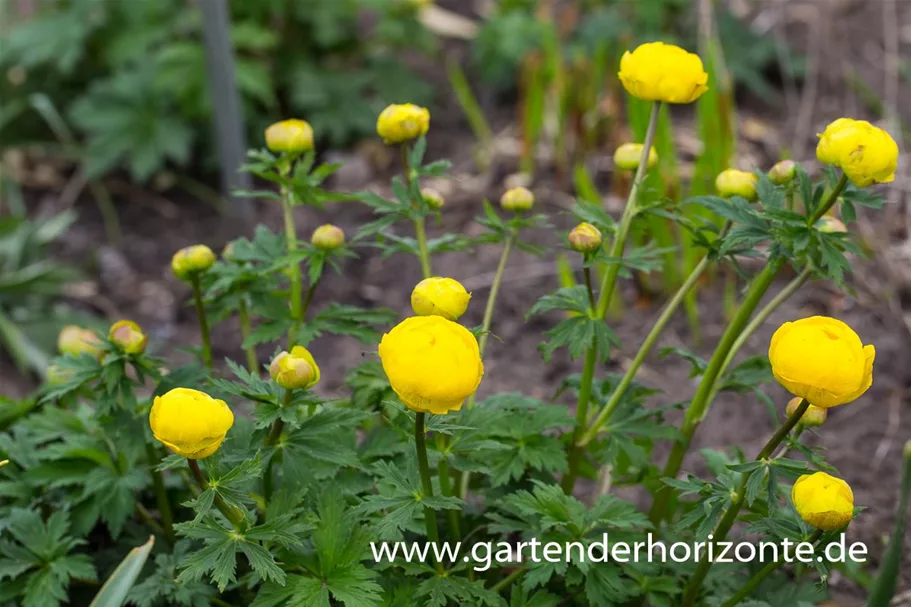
(190, 423)
(399, 123)
(823, 501)
(867, 154)
(656, 71)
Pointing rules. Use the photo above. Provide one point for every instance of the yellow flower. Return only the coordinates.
(75, 340)
(440, 296)
(822, 360)
(823, 501)
(627, 156)
(295, 371)
(783, 172)
(404, 122)
(865, 153)
(433, 198)
(585, 238)
(663, 72)
(291, 136)
(128, 336)
(433, 364)
(731, 182)
(192, 260)
(517, 199)
(328, 237)
(813, 416)
(190, 423)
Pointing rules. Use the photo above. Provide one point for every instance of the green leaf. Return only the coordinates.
(118, 585)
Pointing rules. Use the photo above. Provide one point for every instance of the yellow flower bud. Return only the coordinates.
(328, 237)
(517, 199)
(865, 153)
(4, 462)
(627, 156)
(823, 501)
(290, 136)
(822, 360)
(404, 122)
(75, 340)
(813, 416)
(228, 252)
(585, 238)
(433, 364)
(731, 182)
(128, 337)
(440, 296)
(192, 260)
(656, 71)
(190, 423)
(830, 224)
(783, 172)
(295, 371)
(433, 198)
(57, 376)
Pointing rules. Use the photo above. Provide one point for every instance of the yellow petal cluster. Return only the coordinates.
(402, 122)
(74, 340)
(292, 136)
(822, 360)
(433, 364)
(867, 154)
(128, 336)
(656, 71)
(440, 296)
(192, 260)
(627, 156)
(190, 423)
(731, 182)
(296, 370)
(823, 501)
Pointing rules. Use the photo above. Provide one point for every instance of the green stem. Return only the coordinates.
(576, 451)
(730, 516)
(272, 439)
(423, 251)
(294, 269)
(244, 313)
(587, 273)
(700, 403)
(203, 321)
(231, 513)
(161, 494)
(833, 198)
(446, 487)
(619, 244)
(508, 580)
(150, 521)
(430, 516)
(492, 297)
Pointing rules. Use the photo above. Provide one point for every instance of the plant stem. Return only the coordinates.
(492, 298)
(509, 579)
(244, 313)
(446, 487)
(576, 451)
(203, 321)
(833, 198)
(272, 439)
(430, 516)
(151, 523)
(231, 513)
(587, 273)
(423, 252)
(700, 403)
(294, 269)
(730, 516)
(161, 495)
(619, 244)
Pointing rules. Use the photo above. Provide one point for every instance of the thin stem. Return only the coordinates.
(730, 516)
(272, 439)
(509, 579)
(151, 523)
(203, 321)
(419, 232)
(294, 269)
(430, 516)
(619, 244)
(587, 273)
(244, 313)
(161, 495)
(833, 198)
(585, 391)
(446, 487)
(492, 298)
(231, 513)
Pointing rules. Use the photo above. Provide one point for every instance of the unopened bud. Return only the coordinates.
(328, 237)
(517, 199)
(433, 198)
(813, 416)
(4, 462)
(585, 238)
(783, 172)
(291, 136)
(830, 224)
(628, 156)
(75, 340)
(128, 337)
(57, 376)
(295, 370)
(732, 182)
(192, 260)
(438, 296)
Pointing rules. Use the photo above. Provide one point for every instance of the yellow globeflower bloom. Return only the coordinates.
(192, 260)
(823, 501)
(433, 364)
(867, 154)
(291, 136)
(128, 336)
(75, 340)
(296, 370)
(656, 71)
(822, 360)
(190, 423)
(440, 296)
(627, 156)
(731, 182)
(404, 122)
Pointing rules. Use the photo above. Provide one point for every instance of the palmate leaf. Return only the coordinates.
(439, 591)
(322, 444)
(578, 334)
(338, 319)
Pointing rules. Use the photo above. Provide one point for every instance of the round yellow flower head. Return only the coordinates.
(75, 340)
(627, 156)
(822, 360)
(517, 199)
(783, 172)
(585, 238)
(433, 198)
(813, 416)
(295, 371)
(328, 237)
(830, 224)
(441, 297)
(656, 71)
(433, 364)
(403, 122)
(192, 260)
(867, 154)
(823, 501)
(190, 423)
(290, 136)
(128, 337)
(731, 182)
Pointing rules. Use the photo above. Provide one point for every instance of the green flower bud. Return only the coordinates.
(295, 370)
(517, 199)
(732, 182)
(813, 416)
(433, 198)
(128, 337)
(328, 237)
(585, 238)
(627, 156)
(192, 260)
(783, 172)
